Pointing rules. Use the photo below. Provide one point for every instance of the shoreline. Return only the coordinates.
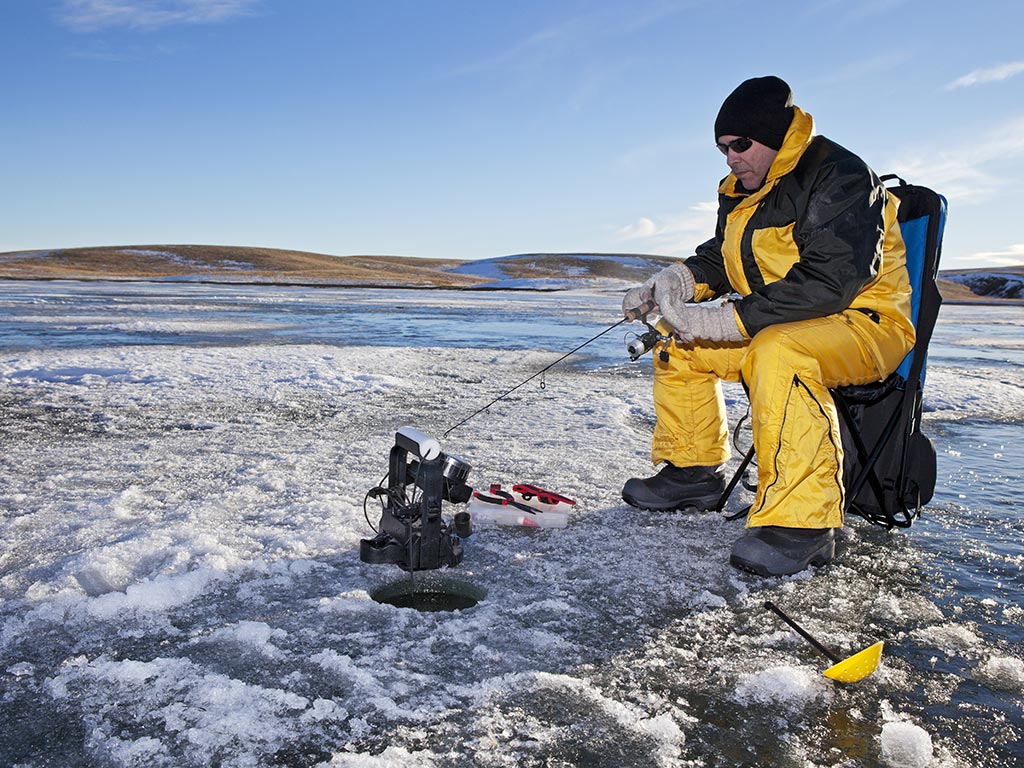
(341, 285)
(296, 284)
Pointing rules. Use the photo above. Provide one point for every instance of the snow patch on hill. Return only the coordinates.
(561, 271)
(996, 285)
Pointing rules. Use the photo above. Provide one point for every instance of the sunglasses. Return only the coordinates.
(739, 146)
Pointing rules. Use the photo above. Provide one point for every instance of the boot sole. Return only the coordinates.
(699, 503)
(818, 560)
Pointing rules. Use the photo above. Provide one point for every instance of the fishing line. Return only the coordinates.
(541, 372)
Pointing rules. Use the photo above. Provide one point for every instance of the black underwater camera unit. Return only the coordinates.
(412, 533)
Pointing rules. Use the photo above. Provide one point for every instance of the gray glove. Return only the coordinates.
(673, 285)
(695, 321)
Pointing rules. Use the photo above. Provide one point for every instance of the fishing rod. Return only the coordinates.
(634, 314)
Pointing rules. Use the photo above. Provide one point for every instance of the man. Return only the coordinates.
(808, 239)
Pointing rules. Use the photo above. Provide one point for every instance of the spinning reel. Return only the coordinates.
(640, 344)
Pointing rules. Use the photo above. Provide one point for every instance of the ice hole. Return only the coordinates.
(429, 592)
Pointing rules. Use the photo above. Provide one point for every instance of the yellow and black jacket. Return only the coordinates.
(820, 236)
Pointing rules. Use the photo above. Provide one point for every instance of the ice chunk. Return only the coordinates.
(392, 757)
(1004, 673)
(256, 634)
(156, 596)
(21, 669)
(790, 687)
(954, 639)
(905, 745)
(144, 751)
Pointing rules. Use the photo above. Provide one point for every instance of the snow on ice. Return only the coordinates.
(181, 585)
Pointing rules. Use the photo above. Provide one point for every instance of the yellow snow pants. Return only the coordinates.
(788, 370)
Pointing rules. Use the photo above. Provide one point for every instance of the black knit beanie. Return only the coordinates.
(760, 109)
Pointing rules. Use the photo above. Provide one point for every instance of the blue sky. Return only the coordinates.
(480, 128)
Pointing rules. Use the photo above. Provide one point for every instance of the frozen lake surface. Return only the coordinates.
(182, 498)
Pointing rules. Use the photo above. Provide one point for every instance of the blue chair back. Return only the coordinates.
(922, 218)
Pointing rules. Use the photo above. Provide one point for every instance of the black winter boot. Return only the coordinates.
(770, 550)
(676, 488)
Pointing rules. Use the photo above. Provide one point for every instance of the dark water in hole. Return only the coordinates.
(429, 592)
(431, 601)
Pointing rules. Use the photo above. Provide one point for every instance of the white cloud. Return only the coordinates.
(987, 75)
(1012, 256)
(536, 51)
(639, 230)
(673, 235)
(970, 172)
(590, 30)
(864, 69)
(844, 10)
(94, 15)
(659, 152)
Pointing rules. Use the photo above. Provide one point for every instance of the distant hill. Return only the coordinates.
(528, 271)
(231, 264)
(216, 263)
(990, 282)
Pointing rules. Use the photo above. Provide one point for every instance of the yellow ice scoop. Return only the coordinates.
(849, 670)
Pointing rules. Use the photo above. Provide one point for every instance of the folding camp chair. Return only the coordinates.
(889, 466)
